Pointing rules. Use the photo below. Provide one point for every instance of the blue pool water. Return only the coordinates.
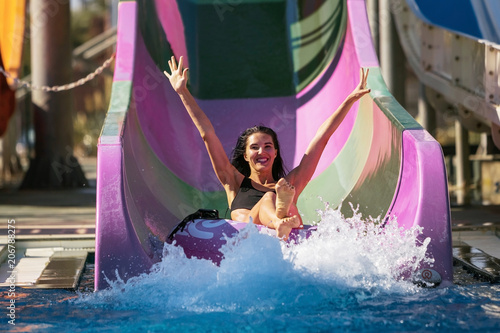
(344, 278)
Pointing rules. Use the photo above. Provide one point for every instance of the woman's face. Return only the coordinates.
(260, 152)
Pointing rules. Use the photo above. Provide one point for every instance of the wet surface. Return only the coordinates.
(473, 217)
(477, 261)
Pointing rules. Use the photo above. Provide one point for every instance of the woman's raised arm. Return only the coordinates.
(301, 175)
(220, 162)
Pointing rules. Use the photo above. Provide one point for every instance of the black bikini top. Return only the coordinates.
(247, 196)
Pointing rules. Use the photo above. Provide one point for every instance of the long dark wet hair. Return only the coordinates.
(238, 155)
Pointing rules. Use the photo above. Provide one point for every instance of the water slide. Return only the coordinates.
(283, 64)
(453, 47)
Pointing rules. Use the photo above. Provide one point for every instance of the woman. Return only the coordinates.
(256, 186)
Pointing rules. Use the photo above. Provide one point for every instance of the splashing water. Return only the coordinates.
(357, 253)
(345, 261)
(349, 275)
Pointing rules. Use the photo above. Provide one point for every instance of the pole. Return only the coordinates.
(426, 112)
(392, 59)
(462, 164)
(372, 10)
(54, 165)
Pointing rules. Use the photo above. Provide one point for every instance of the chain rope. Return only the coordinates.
(20, 83)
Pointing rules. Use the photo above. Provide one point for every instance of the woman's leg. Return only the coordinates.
(265, 213)
(284, 197)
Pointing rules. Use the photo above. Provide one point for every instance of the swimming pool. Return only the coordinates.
(344, 279)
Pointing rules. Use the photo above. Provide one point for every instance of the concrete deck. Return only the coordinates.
(70, 215)
(54, 232)
(45, 214)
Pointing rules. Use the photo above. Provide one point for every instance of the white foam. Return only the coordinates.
(346, 258)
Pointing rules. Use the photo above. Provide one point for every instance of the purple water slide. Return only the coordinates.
(153, 169)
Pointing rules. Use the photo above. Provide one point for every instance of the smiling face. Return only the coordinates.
(260, 152)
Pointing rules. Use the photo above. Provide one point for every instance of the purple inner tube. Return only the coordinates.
(203, 239)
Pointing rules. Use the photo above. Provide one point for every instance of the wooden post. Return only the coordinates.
(54, 165)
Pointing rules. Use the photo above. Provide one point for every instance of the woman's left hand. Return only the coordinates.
(361, 89)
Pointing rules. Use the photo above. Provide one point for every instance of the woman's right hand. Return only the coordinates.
(178, 78)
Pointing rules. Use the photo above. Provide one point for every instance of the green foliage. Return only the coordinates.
(90, 100)
(86, 21)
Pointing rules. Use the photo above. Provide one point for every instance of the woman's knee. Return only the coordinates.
(270, 196)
